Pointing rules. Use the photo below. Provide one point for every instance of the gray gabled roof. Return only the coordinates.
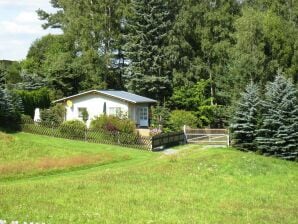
(122, 95)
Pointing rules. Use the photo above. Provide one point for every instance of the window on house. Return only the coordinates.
(115, 111)
(82, 113)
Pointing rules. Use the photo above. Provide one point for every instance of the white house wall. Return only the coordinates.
(94, 104)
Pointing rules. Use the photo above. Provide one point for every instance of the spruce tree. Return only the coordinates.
(245, 121)
(2, 97)
(146, 39)
(2, 103)
(278, 133)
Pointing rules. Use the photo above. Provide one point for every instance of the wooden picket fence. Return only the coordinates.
(154, 143)
(102, 137)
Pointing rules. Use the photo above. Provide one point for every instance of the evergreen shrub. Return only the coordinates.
(26, 119)
(54, 116)
(11, 108)
(34, 99)
(278, 132)
(246, 117)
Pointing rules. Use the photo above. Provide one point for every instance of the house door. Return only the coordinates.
(143, 116)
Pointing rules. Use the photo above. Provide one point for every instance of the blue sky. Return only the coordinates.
(19, 26)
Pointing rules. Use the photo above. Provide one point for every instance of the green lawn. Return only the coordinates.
(131, 186)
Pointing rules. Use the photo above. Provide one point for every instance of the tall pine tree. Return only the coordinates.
(245, 120)
(146, 39)
(279, 130)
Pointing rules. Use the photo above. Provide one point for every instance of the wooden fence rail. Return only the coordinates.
(156, 142)
(102, 137)
(207, 136)
(168, 140)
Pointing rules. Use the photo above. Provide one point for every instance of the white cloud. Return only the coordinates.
(11, 27)
(20, 26)
(25, 3)
(26, 17)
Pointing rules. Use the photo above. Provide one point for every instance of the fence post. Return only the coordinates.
(86, 134)
(185, 135)
(52, 127)
(228, 138)
(118, 139)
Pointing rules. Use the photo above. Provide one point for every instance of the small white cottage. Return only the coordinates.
(110, 102)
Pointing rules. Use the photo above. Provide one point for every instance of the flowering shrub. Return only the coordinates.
(112, 124)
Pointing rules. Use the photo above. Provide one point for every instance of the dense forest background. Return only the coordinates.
(190, 55)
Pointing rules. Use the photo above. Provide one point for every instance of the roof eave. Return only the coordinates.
(103, 93)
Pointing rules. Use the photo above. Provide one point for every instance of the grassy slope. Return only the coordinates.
(24, 155)
(195, 186)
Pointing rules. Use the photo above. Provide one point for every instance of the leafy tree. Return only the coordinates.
(200, 41)
(95, 29)
(195, 98)
(9, 72)
(247, 56)
(286, 9)
(148, 27)
(245, 120)
(179, 118)
(279, 129)
(262, 47)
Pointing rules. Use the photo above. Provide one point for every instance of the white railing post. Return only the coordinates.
(184, 130)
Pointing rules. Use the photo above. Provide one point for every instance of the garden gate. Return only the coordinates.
(207, 136)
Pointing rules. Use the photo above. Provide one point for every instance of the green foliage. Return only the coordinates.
(34, 99)
(179, 118)
(200, 42)
(159, 116)
(26, 119)
(113, 124)
(95, 27)
(191, 97)
(246, 117)
(73, 129)
(85, 115)
(264, 44)
(196, 98)
(278, 133)
(11, 108)
(9, 72)
(146, 39)
(196, 55)
(30, 82)
(53, 116)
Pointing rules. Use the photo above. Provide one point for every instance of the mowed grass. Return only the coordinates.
(214, 185)
(23, 155)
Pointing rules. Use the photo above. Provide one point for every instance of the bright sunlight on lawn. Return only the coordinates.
(63, 181)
